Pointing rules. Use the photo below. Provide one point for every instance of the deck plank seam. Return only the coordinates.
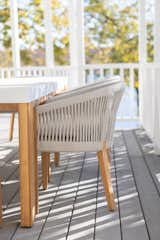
(18, 224)
(73, 206)
(12, 155)
(95, 216)
(14, 232)
(11, 174)
(54, 199)
(117, 192)
(144, 159)
(11, 198)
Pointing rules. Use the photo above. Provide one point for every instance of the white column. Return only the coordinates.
(15, 34)
(156, 80)
(76, 25)
(157, 31)
(142, 32)
(142, 58)
(49, 50)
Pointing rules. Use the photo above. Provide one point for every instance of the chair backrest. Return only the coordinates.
(80, 89)
(83, 117)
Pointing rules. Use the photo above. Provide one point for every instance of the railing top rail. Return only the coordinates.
(35, 68)
(86, 66)
(89, 74)
(150, 65)
(112, 65)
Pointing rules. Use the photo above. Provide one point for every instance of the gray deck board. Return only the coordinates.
(83, 214)
(57, 222)
(74, 206)
(107, 223)
(148, 193)
(151, 159)
(132, 221)
(46, 199)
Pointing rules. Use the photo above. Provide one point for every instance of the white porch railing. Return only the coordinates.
(129, 109)
(150, 101)
(34, 72)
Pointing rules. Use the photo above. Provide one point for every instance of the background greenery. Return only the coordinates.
(111, 32)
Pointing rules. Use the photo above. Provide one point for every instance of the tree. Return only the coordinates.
(150, 40)
(111, 32)
(32, 32)
(5, 35)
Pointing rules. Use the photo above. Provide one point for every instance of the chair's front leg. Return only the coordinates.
(56, 158)
(45, 169)
(106, 177)
(109, 154)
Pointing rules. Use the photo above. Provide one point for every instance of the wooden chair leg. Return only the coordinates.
(11, 126)
(56, 158)
(109, 154)
(45, 169)
(106, 177)
(0, 204)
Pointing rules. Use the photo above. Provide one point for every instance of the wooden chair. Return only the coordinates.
(82, 119)
(12, 117)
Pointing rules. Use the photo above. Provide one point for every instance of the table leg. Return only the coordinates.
(36, 158)
(28, 165)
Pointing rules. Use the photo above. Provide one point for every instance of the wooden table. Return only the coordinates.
(22, 96)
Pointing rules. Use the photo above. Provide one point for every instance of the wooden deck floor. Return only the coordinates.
(74, 205)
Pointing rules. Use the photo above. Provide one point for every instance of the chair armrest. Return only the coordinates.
(86, 88)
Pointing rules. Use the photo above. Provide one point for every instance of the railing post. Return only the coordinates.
(76, 26)
(15, 34)
(157, 32)
(49, 49)
(131, 88)
(156, 79)
(142, 55)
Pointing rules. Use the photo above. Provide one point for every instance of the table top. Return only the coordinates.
(25, 90)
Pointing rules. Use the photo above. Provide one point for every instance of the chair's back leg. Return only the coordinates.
(45, 169)
(11, 126)
(109, 154)
(106, 177)
(56, 158)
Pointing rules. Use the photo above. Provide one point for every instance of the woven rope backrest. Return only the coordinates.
(80, 117)
(113, 112)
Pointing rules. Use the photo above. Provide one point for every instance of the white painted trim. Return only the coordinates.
(157, 32)
(49, 49)
(76, 26)
(142, 32)
(142, 55)
(15, 33)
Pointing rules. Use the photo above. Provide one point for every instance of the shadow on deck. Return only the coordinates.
(74, 205)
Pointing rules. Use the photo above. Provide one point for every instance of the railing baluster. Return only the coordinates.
(111, 71)
(89, 74)
(122, 74)
(101, 72)
(131, 89)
